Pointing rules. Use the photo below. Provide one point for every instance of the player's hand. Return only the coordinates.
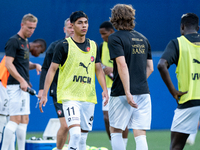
(40, 94)
(177, 94)
(24, 85)
(108, 70)
(105, 97)
(38, 68)
(131, 101)
(42, 102)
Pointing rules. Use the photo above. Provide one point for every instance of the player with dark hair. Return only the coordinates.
(37, 47)
(63, 130)
(184, 52)
(106, 29)
(18, 64)
(130, 102)
(78, 61)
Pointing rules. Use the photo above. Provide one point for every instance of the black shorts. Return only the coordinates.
(58, 107)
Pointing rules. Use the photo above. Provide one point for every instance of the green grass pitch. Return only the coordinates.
(157, 140)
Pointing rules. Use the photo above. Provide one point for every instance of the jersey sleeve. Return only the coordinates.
(171, 52)
(60, 52)
(115, 47)
(149, 56)
(100, 50)
(98, 55)
(11, 47)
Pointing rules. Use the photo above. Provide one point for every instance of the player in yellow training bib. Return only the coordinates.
(78, 62)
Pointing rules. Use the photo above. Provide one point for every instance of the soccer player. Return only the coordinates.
(78, 61)
(37, 47)
(106, 29)
(18, 64)
(130, 102)
(184, 52)
(63, 130)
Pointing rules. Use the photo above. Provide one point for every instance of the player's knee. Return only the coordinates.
(65, 127)
(75, 134)
(83, 138)
(75, 137)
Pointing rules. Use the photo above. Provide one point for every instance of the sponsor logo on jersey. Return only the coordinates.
(196, 76)
(22, 46)
(196, 61)
(82, 64)
(82, 79)
(138, 49)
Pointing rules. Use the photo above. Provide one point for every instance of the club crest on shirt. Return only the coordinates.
(88, 49)
(92, 58)
(59, 112)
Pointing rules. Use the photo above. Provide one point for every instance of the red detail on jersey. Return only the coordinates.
(92, 58)
(27, 46)
(59, 112)
(22, 46)
(88, 49)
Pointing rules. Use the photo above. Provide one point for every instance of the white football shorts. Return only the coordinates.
(4, 105)
(122, 114)
(186, 120)
(77, 112)
(19, 101)
(105, 108)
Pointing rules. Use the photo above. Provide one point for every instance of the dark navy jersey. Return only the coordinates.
(45, 66)
(18, 48)
(136, 50)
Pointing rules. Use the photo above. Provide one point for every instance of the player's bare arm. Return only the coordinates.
(107, 70)
(13, 71)
(101, 79)
(124, 76)
(149, 67)
(163, 69)
(38, 67)
(48, 80)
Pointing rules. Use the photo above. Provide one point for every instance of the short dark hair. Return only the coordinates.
(42, 42)
(76, 15)
(107, 25)
(190, 20)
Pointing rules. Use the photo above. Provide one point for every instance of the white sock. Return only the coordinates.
(21, 136)
(117, 141)
(10, 129)
(125, 141)
(12, 144)
(75, 135)
(191, 138)
(3, 122)
(82, 142)
(141, 142)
